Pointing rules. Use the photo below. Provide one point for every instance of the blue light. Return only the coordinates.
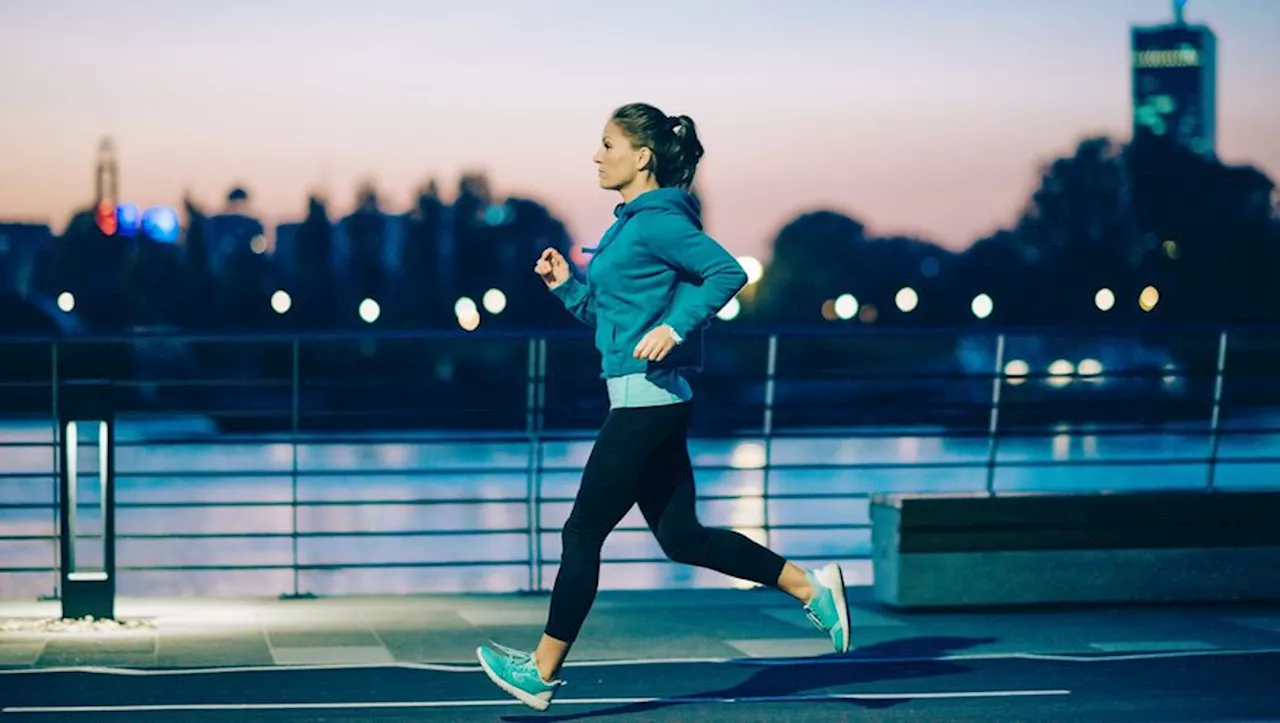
(498, 214)
(128, 219)
(160, 223)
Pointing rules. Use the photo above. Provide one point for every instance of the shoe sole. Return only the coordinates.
(842, 605)
(523, 696)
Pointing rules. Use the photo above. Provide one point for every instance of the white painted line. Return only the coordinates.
(759, 662)
(366, 705)
(1152, 646)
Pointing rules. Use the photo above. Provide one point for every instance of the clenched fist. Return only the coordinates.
(552, 267)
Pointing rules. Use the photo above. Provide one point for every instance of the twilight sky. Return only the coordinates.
(916, 116)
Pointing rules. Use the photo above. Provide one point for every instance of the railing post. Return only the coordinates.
(535, 404)
(530, 415)
(1215, 420)
(993, 425)
(771, 374)
(57, 454)
(294, 422)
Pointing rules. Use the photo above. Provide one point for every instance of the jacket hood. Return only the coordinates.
(675, 200)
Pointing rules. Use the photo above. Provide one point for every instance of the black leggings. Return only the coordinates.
(641, 456)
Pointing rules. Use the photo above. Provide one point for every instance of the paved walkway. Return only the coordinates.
(623, 625)
(668, 656)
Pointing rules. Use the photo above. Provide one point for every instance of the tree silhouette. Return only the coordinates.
(822, 255)
(1078, 233)
(1214, 227)
(313, 266)
(812, 259)
(365, 232)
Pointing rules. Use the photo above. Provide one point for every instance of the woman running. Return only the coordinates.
(655, 279)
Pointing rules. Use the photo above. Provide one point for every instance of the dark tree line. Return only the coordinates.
(1121, 217)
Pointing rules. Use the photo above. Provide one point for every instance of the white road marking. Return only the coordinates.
(366, 705)
(745, 662)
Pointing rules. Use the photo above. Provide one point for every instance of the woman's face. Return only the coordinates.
(619, 162)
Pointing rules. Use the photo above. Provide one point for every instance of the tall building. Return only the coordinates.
(1175, 82)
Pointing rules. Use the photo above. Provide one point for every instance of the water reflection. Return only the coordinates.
(412, 511)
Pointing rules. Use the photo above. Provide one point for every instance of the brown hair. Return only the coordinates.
(672, 139)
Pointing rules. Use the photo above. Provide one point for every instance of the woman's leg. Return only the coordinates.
(608, 491)
(668, 497)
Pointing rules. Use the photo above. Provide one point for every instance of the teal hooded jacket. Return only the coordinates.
(654, 266)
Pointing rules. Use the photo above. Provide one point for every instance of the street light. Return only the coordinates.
(846, 306)
(982, 306)
(281, 302)
(907, 299)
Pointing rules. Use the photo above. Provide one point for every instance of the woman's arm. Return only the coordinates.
(677, 241)
(578, 299)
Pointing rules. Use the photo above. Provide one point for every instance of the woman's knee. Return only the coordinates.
(682, 543)
(579, 539)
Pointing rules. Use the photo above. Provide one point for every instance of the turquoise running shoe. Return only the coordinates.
(514, 671)
(829, 610)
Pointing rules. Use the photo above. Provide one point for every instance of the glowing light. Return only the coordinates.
(105, 216)
(747, 455)
(67, 301)
(1060, 372)
(846, 306)
(1089, 368)
(464, 306)
(982, 306)
(498, 214)
(128, 219)
(1148, 299)
(730, 310)
(869, 314)
(907, 299)
(829, 310)
(495, 302)
(1105, 299)
(369, 311)
(281, 302)
(469, 322)
(753, 267)
(160, 223)
(1016, 371)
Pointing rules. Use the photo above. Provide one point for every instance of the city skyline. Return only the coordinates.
(893, 115)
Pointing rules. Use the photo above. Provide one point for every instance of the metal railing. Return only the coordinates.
(311, 463)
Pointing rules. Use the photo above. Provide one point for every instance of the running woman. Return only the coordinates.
(654, 280)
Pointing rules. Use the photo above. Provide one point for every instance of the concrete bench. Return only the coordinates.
(940, 551)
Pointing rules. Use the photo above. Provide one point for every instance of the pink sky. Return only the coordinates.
(921, 116)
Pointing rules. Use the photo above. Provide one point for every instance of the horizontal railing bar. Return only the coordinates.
(746, 435)
(519, 437)
(321, 567)
(407, 533)
(1063, 331)
(809, 466)
(523, 562)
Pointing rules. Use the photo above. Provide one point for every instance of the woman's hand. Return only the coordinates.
(552, 267)
(656, 345)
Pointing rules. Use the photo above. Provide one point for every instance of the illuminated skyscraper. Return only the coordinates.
(1175, 82)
